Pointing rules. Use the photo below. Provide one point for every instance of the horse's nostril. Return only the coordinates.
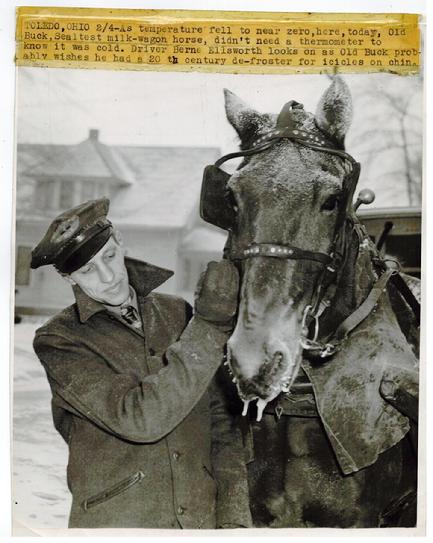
(278, 357)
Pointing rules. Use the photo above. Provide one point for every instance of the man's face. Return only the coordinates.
(104, 278)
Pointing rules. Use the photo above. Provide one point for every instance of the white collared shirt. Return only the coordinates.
(132, 300)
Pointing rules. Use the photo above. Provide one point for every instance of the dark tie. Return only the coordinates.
(129, 315)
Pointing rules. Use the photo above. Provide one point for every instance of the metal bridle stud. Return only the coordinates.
(268, 250)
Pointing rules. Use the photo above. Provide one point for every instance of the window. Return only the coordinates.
(22, 268)
(91, 190)
(64, 194)
(44, 194)
(55, 194)
(67, 191)
(87, 190)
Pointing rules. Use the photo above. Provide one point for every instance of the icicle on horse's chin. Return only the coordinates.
(289, 211)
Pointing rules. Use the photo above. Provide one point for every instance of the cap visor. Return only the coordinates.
(84, 252)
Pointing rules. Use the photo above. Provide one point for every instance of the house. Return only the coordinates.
(199, 244)
(153, 192)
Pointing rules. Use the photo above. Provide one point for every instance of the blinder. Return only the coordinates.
(216, 201)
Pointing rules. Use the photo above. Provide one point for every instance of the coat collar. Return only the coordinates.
(144, 277)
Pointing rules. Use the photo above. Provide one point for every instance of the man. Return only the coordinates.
(150, 444)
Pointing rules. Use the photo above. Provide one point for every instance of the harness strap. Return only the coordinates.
(317, 143)
(248, 152)
(401, 285)
(364, 310)
(329, 346)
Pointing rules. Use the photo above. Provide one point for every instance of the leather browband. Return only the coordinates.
(281, 251)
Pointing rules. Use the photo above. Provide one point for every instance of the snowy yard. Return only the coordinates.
(41, 498)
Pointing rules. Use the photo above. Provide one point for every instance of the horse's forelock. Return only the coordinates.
(255, 127)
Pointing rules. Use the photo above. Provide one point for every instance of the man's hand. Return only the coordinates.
(399, 387)
(216, 298)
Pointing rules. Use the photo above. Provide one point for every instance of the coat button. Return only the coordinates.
(152, 352)
(180, 510)
(176, 455)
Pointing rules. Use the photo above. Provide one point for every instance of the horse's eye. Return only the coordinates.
(330, 203)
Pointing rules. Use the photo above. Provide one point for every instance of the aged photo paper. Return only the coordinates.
(128, 108)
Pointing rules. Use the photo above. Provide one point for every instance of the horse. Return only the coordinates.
(322, 352)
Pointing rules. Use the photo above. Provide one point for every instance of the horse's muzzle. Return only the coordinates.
(272, 377)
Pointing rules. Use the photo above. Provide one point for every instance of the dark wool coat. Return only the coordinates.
(151, 443)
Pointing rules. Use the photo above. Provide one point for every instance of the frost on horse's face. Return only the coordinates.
(288, 194)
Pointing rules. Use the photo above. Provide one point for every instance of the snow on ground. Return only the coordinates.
(41, 498)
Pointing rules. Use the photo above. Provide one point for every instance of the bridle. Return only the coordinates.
(214, 189)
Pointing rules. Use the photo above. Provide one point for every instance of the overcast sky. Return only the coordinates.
(144, 108)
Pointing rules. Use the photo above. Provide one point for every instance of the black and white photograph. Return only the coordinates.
(217, 300)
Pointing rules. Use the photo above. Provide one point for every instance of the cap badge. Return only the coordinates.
(66, 229)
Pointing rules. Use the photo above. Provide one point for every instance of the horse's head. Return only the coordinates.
(289, 195)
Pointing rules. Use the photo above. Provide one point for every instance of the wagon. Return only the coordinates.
(397, 231)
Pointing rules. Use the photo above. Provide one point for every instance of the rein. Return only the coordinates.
(286, 129)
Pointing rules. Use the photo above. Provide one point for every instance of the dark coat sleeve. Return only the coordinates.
(137, 410)
(228, 460)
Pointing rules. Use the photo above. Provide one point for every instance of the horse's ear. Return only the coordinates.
(246, 121)
(334, 112)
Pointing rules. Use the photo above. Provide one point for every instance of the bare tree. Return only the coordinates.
(388, 136)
